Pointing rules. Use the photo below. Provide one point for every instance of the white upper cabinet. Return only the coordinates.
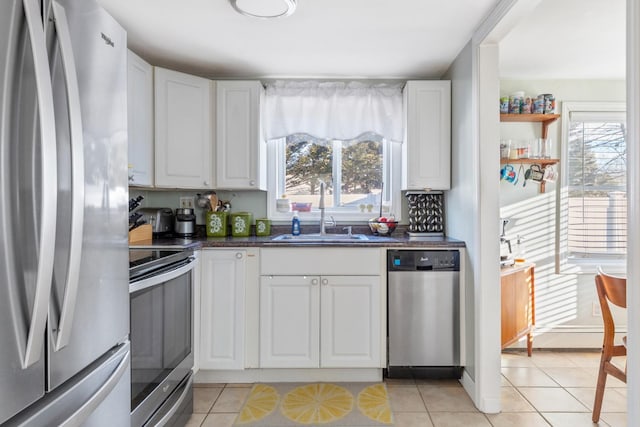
(183, 130)
(427, 149)
(240, 149)
(140, 117)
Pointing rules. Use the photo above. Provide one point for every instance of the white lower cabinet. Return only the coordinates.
(289, 321)
(222, 309)
(350, 321)
(320, 321)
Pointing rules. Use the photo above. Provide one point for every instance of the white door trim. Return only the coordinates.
(633, 208)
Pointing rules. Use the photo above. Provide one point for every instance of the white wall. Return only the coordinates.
(564, 302)
(472, 211)
(460, 203)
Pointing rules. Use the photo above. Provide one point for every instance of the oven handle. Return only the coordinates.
(161, 278)
(171, 412)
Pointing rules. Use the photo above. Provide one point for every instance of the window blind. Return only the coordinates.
(596, 177)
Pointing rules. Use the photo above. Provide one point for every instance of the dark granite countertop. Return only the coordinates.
(398, 239)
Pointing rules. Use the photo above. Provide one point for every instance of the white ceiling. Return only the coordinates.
(567, 39)
(381, 39)
(376, 39)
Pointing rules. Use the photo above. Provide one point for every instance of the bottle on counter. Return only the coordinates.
(520, 255)
(295, 224)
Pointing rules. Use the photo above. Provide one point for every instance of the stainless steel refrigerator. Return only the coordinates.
(64, 299)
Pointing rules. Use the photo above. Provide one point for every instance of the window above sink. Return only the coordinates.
(340, 133)
(354, 171)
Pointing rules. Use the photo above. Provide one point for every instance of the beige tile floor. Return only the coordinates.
(548, 389)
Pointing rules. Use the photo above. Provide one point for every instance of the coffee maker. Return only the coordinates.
(185, 222)
(506, 254)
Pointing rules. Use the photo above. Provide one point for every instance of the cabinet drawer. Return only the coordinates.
(321, 261)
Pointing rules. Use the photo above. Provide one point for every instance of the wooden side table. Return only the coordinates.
(517, 305)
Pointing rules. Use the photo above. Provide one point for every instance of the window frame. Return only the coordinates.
(564, 264)
(392, 167)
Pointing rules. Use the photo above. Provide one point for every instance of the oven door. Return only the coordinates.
(161, 338)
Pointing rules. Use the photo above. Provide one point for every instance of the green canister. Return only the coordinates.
(241, 224)
(217, 224)
(263, 227)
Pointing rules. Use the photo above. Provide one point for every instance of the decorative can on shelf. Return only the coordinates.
(426, 213)
(538, 105)
(504, 105)
(549, 103)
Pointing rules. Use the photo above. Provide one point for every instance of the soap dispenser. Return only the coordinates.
(295, 224)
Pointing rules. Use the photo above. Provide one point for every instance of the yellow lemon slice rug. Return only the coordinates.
(316, 404)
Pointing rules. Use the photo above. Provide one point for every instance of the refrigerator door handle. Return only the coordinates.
(88, 407)
(47, 232)
(77, 177)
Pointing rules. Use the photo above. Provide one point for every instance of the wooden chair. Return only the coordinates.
(611, 289)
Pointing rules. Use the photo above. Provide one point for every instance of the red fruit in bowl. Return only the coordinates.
(382, 219)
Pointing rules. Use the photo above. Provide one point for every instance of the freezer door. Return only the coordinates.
(95, 398)
(89, 312)
(27, 203)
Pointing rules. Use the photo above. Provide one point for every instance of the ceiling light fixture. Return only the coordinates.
(265, 9)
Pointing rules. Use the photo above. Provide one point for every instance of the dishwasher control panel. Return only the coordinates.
(431, 260)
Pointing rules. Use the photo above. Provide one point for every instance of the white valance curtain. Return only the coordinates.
(333, 110)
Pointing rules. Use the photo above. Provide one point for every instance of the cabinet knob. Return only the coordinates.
(239, 255)
(325, 282)
(314, 282)
(206, 183)
(252, 183)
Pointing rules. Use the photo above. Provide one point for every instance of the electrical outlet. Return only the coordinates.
(596, 310)
(187, 202)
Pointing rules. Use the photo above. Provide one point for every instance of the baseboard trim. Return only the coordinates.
(288, 375)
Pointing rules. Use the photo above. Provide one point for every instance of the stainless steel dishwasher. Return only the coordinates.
(423, 313)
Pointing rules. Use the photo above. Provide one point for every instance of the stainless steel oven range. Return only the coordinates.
(161, 293)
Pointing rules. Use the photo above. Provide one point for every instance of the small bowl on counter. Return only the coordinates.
(301, 207)
(382, 228)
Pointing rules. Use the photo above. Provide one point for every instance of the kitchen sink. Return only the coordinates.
(320, 238)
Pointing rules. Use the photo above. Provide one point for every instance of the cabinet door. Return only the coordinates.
(240, 150)
(222, 309)
(427, 150)
(350, 322)
(517, 304)
(289, 321)
(140, 118)
(508, 308)
(523, 318)
(183, 132)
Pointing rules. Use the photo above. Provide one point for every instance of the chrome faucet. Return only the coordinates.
(321, 207)
(324, 222)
